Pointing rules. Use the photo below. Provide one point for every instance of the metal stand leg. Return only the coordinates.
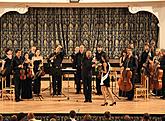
(112, 88)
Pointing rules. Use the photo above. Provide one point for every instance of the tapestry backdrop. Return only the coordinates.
(113, 28)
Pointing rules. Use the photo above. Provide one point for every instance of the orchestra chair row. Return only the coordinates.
(141, 90)
(7, 92)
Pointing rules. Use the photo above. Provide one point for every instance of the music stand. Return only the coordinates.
(68, 71)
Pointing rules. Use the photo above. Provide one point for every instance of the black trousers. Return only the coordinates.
(78, 80)
(163, 84)
(87, 83)
(130, 94)
(18, 86)
(98, 86)
(37, 85)
(57, 81)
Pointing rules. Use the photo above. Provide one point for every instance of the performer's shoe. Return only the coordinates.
(85, 101)
(129, 99)
(90, 101)
(20, 100)
(17, 100)
(105, 104)
(162, 97)
(98, 93)
(114, 103)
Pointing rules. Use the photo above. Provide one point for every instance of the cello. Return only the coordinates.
(124, 82)
(158, 74)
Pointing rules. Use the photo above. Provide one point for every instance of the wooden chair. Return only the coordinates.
(8, 92)
(142, 89)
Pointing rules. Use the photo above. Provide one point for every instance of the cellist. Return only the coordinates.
(131, 64)
(157, 75)
(162, 66)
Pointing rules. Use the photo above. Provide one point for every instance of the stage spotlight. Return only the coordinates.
(74, 1)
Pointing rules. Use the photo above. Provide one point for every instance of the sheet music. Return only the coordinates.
(68, 69)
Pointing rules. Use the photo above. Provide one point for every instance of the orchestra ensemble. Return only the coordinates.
(27, 69)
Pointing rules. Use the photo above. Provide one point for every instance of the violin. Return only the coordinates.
(22, 74)
(29, 73)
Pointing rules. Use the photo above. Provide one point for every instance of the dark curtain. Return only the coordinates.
(113, 28)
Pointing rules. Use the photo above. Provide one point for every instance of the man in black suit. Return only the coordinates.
(56, 62)
(17, 65)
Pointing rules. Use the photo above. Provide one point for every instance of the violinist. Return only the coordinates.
(32, 52)
(162, 66)
(131, 64)
(79, 57)
(7, 65)
(27, 83)
(156, 61)
(74, 62)
(56, 62)
(37, 63)
(17, 65)
(105, 81)
(99, 52)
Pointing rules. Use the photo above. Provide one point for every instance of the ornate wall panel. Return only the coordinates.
(113, 28)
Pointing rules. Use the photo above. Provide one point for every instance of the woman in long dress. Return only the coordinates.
(27, 83)
(37, 63)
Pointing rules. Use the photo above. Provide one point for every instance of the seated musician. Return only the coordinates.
(130, 64)
(56, 59)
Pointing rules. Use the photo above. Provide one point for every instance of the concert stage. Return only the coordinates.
(63, 104)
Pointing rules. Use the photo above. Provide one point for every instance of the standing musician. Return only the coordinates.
(79, 57)
(145, 55)
(32, 52)
(158, 73)
(17, 65)
(56, 61)
(87, 76)
(162, 66)
(27, 83)
(105, 81)
(7, 66)
(147, 64)
(74, 62)
(99, 52)
(130, 64)
(37, 64)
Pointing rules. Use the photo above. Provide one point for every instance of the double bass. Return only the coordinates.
(124, 82)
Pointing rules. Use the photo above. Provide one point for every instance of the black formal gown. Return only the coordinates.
(26, 84)
(37, 81)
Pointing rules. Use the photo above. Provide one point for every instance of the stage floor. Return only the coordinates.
(61, 104)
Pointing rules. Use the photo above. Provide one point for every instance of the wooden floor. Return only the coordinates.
(61, 104)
